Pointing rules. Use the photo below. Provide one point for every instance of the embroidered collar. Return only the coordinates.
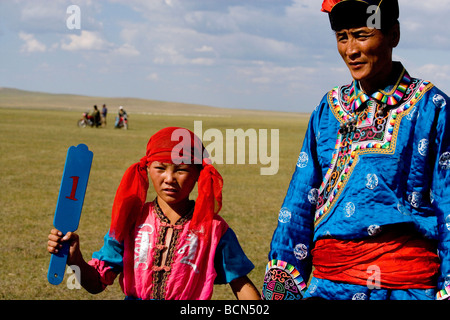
(390, 96)
(166, 222)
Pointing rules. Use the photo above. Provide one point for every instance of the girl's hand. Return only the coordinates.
(89, 277)
(55, 240)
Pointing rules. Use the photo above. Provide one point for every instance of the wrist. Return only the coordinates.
(76, 258)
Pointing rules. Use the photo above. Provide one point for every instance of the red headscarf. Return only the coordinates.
(169, 145)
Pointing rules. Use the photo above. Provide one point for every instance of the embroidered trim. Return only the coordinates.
(161, 272)
(443, 294)
(358, 97)
(372, 130)
(282, 281)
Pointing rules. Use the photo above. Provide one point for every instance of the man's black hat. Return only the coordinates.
(347, 14)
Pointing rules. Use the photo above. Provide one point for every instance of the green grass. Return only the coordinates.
(33, 148)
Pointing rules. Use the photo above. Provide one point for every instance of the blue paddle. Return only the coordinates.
(70, 202)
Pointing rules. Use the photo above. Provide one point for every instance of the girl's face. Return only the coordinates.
(173, 183)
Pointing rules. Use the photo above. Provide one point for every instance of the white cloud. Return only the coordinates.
(264, 73)
(31, 44)
(130, 32)
(435, 72)
(168, 54)
(127, 50)
(205, 49)
(261, 80)
(33, 11)
(238, 31)
(424, 24)
(48, 17)
(202, 61)
(153, 77)
(169, 3)
(429, 6)
(87, 40)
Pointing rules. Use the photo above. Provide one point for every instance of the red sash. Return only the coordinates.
(390, 260)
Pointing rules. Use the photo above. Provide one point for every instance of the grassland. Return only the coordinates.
(36, 131)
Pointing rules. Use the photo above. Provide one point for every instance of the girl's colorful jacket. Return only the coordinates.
(191, 267)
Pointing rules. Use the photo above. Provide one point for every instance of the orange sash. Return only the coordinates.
(390, 260)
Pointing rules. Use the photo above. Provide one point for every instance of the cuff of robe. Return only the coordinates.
(282, 282)
(443, 294)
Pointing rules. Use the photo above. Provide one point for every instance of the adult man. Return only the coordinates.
(96, 116)
(367, 207)
(104, 114)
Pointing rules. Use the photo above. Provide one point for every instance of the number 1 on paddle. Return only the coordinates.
(70, 203)
(74, 188)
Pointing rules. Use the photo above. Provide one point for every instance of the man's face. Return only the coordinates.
(367, 52)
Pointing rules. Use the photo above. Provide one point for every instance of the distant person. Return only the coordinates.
(96, 116)
(104, 114)
(121, 119)
(171, 248)
(368, 206)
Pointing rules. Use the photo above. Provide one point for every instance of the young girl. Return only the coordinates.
(172, 247)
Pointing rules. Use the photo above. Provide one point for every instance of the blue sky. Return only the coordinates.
(253, 54)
